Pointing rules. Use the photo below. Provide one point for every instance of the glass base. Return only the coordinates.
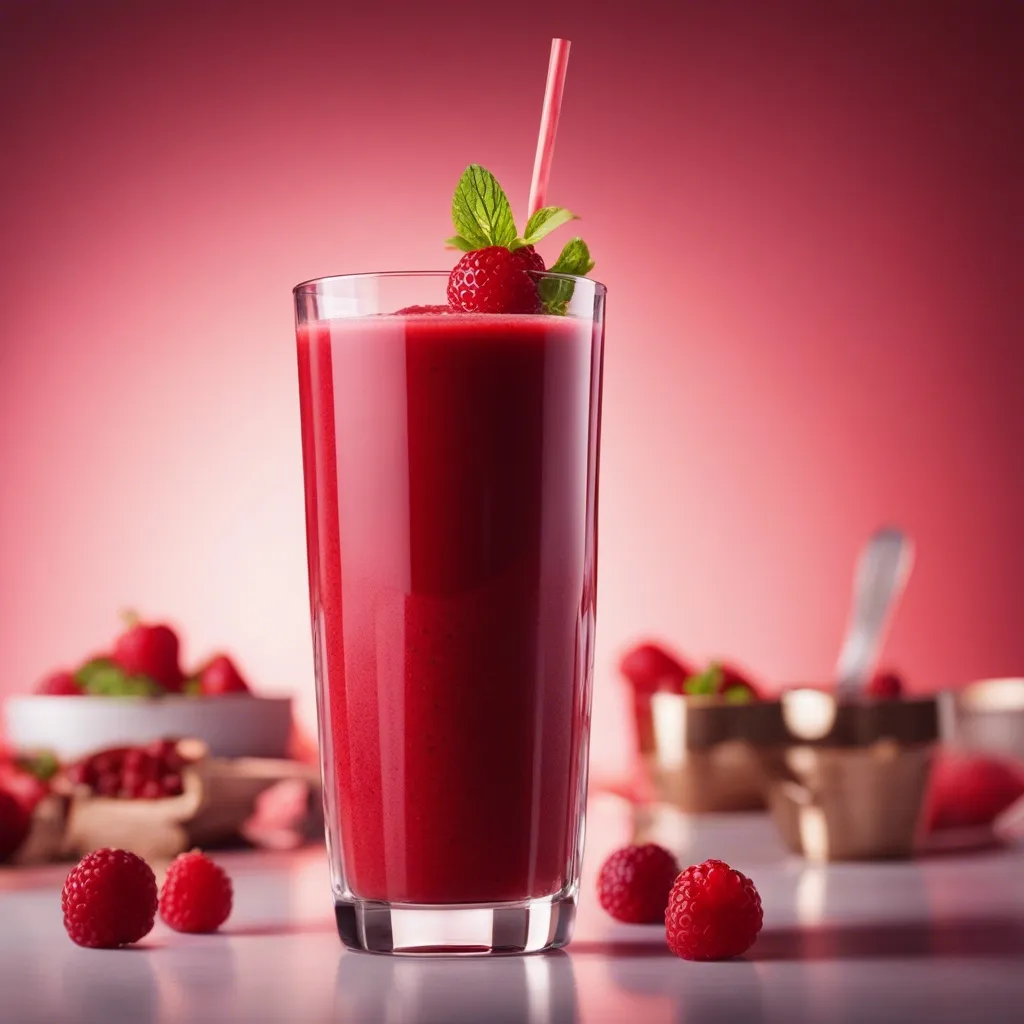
(499, 929)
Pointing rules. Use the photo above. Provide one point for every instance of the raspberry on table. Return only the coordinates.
(197, 894)
(493, 280)
(109, 899)
(634, 883)
(713, 913)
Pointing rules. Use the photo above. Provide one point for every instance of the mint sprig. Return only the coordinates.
(705, 683)
(575, 260)
(482, 216)
(544, 221)
(481, 211)
(101, 677)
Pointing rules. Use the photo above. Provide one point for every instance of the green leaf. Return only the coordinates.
(737, 695)
(705, 683)
(458, 242)
(575, 260)
(97, 666)
(43, 765)
(105, 679)
(192, 687)
(481, 211)
(544, 221)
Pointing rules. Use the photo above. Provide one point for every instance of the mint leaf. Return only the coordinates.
(43, 765)
(737, 695)
(458, 242)
(705, 683)
(192, 688)
(91, 669)
(105, 679)
(481, 211)
(574, 259)
(544, 221)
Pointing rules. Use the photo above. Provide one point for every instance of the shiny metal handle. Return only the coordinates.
(882, 571)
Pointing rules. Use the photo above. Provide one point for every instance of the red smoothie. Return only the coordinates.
(451, 465)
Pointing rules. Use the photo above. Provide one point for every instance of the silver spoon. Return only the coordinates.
(882, 570)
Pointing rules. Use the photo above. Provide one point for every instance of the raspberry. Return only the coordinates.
(59, 684)
(493, 280)
(885, 686)
(713, 913)
(422, 309)
(634, 883)
(109, 899)
(196, 896)
(14, 824)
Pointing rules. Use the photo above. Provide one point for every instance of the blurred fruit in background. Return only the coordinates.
(969, 790)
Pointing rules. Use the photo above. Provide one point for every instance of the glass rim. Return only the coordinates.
(313, 283)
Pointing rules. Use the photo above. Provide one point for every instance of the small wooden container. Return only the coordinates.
(698, 754)
(848, 780)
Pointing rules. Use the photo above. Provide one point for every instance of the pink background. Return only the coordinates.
(810, 219)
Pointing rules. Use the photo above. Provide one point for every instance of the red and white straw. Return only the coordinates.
(548, 123)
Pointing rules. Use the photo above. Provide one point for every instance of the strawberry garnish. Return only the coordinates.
(498, 272)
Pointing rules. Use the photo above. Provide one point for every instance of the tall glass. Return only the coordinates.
(451, 466)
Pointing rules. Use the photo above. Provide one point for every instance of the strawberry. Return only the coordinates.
(492, 280)
(59, 684)
(220, 676)
(649, 668)
(26, 788)
(150, 651)
(498, 272)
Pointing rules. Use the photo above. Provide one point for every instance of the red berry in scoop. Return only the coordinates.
(150, 650)
(14, 824)
(59, 684)
(885, 686)
(634, 883)
(109, 899)
(713, 913)
(649, 667)
(493, 280)
(196, 895)
(220, 676)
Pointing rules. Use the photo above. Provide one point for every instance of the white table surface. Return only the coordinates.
(936, 940)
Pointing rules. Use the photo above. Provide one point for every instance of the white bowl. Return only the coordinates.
(238, 725)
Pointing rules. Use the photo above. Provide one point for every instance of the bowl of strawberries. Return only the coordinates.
(136, 691)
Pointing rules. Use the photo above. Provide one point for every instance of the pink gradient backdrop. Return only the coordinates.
(809, 218)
